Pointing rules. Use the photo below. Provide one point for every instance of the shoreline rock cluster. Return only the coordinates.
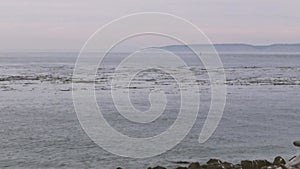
(278, 163)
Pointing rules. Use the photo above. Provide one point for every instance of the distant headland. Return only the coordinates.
(238, 48)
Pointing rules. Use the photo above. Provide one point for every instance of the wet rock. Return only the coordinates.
(195, 165)
(182, 162)
(297, 143)
(214, 162)
(256, 164)
(215, 166)
(159, 167)
(279, 161)
(218, 164)
(237, 166)
(228, 165)
(247, 164)
(261, 163)
(204, 166)
(270, 167)
(181, 168)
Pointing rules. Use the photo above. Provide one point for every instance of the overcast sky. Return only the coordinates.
(66, 24)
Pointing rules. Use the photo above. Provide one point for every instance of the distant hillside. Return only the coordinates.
(237, 48)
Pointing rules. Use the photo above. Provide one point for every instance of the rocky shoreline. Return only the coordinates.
(278, 163)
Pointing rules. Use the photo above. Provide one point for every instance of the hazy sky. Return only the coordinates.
(66, 24)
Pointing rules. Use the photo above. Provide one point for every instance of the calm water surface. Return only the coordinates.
(39, 127)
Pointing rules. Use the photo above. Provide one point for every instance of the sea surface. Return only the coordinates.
(39, 127)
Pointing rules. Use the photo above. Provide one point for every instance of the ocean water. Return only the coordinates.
(39, 127)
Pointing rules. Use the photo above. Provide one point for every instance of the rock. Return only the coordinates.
(256, 164)
(279, 161)
(204, 166)
(228, 165)
(218, 164)
(182, 162)
(195, 165)
(237, 166)
(119, 168)
(159, 167)
(297, 143)
(215, 166)
(270, 167)
(181, 168)
(214, 161)
(246, 164)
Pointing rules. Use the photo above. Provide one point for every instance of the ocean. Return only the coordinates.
(39, 127)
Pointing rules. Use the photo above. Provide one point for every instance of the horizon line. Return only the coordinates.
(17, 50)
